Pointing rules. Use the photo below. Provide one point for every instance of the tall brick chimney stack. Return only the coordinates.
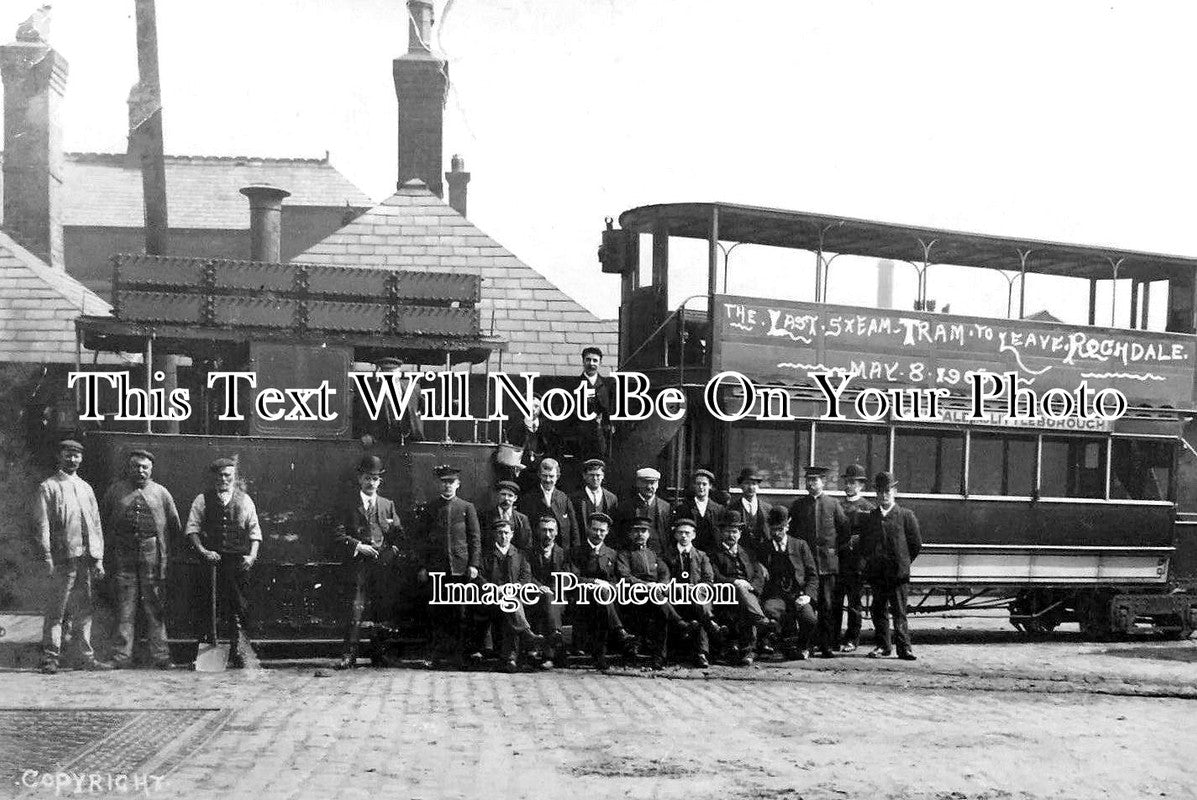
(458, 180)
(34, 76)
(420, 82)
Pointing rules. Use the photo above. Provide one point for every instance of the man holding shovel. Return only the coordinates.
(223, 528)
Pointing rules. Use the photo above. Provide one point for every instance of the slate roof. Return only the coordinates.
(415, 230)
(203, 192)
(38, 308)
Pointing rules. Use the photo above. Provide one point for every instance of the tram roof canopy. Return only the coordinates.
(802, 230)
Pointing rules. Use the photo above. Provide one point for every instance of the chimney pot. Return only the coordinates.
(265, 221)
(419, 26)
(458, 180)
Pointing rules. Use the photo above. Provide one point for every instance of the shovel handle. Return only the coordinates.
(212, 595)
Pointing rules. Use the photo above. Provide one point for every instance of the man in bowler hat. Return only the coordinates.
(793, 581)
(735, 564)
(818, 520)
(753, 509)
(889, 543)
(849, 589)
(367, 538)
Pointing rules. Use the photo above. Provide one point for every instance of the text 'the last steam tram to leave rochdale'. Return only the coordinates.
(1094, 523)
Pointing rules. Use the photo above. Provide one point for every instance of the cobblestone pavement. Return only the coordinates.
(981, 715)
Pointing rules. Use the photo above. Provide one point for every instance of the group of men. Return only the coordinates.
(129, 530)
(792, 571)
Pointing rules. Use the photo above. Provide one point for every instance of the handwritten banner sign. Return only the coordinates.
(782, 342)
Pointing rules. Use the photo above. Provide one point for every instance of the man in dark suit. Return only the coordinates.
(889, 543)
(593, 496)
(645, 503)
(702, 509)
(595, 562)
(506, 493)
(736, 565)
(545, 558)
(793, 580)
(856, 509)
(687, 564)
(367, 538)
(449, 540)
(592, 438)
(753, 509)
(638, 564)
(546, 498)
(818, 520)
(503, 565)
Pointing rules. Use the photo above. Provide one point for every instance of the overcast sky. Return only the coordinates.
(1063, 120)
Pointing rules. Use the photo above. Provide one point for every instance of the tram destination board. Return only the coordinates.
(784, 341)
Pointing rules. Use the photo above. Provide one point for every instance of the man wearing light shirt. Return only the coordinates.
(645, 503)
(890, 541)
(223, 528)
(687, 564)
(592, 438)
(70, 542)
(545, 497)
(704, 511)
(544, 559)
(593, 496)
(752, 508)
(793, 580)
(595, 562)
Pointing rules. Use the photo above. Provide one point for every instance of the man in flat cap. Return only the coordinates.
(638, 564)
(70, 541)
(545, 558)
(818, 520)
(503, 565)
(849, 589)
(592, 438)
(408, 426)
(793, 580)
(449, 540)
(736, 565)
(506, 494)
(753, 509)
(702, 509)
(689, 565)
(141, 518)
(890, 541)
(593, 496)
(595, 562)
(645, 503)
(223, 528)
(546, 498)
(367, 537)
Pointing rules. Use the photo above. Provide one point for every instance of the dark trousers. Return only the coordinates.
(650, 622)
(598, 622)
(890, 596)
(827, 606)
(138, 589)
(797, 622)
(449, 627)
(508, 629)
(745, 616)
(373, 599)
(705, 614)
(544, 615)
(232, 599)
(70, 593)
(848, 597)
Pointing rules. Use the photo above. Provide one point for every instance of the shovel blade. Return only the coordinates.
(211, 658)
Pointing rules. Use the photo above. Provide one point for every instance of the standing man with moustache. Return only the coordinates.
(140, 516)
(645, 503)
(890, 542)
(701, 508)
(593, 437)
(449, 540)
(70, 542)
(546, 558)
(818, 520)
(546, 498)
(850, 589)
(754, 510)
(507, 491)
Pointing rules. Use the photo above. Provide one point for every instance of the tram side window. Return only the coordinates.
(1140, 469)
(1001, 465)
(778, 453)
(929, 462)
(839, 446)
(1072, 467)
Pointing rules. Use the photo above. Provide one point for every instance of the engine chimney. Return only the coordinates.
(34, 76)
(265, 221)
(420, 83)
(458, 180)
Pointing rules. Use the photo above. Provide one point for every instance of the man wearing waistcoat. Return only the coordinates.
(793, 580)
(449, 540)
(645, 503)
(856, 509)
(546, 498)
(818, 520)
(700, 507)
(223, 528)
(890, 541)
(140, 517)
(595, 562)
(735, 564)
(70, 542)
(367, 539)
(689, 565)
(545, 558)
(638, 564)
(507, 492)
(753, 509)
(593, 496)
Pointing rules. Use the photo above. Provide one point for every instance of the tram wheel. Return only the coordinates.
(1032, 612)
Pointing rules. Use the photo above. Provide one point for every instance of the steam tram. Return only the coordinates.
(1093, 522)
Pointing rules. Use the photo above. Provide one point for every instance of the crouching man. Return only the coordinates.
(792, 582)
(545, 559)
(689, 565)
(735, 565)
(593, 562)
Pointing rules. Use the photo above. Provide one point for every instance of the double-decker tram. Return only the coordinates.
(1059, 517)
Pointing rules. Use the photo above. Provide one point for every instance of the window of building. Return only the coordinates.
(1072, 467)
(839, 446)
(929, 462)
(1141, 469)
(778, 452)
(1001, 464)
